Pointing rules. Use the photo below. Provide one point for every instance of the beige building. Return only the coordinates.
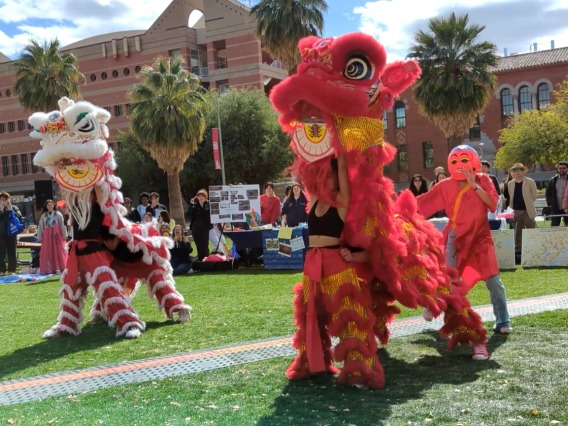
(220, 47)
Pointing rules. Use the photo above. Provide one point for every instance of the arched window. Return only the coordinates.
(543, 95)
(400, 115)
(525, 99)
(506, 102)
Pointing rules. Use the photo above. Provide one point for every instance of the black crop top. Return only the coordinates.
(329, 225)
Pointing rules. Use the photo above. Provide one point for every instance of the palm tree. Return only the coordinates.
(456, 81)
(168, 119)
(45, 74)
(280, 24)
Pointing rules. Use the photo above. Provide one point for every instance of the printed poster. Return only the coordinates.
(545, 247)
(235, 203)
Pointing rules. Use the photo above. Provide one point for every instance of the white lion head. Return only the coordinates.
(77, 131)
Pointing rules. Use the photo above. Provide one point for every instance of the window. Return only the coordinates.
(543, 95)
(11, 126)
(21, 125)
(475, 130)
(385, 121)
(223, 88)
(103, 75)
(402, 157)
(93, 77)
(2, 128)
(507, 107)
(114, 73)
(128, 107)
(35, 169)
(15, 165)
(137, 69)
(174, 53)
(107, 108)
(25, 165)
(400, 115)
(8, 93)
(428, 154)
(117, 110)
(525, 99)
(222, 62)
(194, 61)
(5, 166)
(126, 72)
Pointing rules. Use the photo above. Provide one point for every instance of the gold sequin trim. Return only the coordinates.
(413, 272)
(359, 133)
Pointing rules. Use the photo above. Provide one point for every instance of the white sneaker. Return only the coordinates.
(504, 330)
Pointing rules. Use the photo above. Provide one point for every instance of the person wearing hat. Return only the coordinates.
(522, 192)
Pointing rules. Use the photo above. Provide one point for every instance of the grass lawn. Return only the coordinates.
(228, 308)
(524, 383)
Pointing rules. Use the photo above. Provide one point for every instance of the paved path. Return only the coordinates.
(69, 382)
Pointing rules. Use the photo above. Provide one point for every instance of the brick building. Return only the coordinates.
(221, 47)
(524, 81)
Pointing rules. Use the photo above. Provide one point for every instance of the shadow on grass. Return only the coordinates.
(92, 337)
(408, 376)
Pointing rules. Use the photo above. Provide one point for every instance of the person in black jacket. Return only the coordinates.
(132, 214)
(294, 208)
(7, 244)
(200, 222)
(555, 194)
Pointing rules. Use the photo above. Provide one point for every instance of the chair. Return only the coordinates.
(26, 238)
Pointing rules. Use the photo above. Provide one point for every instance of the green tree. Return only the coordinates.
(280, 24)
(255, 148)
(456, 81)
(138, 171)
(44, 74)
(167, 116)
(533, 137)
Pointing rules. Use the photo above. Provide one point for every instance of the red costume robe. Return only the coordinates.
(467, 213)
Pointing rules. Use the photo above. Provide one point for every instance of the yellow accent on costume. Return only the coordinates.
(359, 133)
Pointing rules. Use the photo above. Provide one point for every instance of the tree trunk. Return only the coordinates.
(174, 190)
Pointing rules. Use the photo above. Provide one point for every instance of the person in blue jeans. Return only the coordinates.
(466, 197)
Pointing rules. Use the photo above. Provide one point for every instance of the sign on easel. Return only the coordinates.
(235, 203)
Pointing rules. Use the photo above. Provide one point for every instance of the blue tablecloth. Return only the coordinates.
(245, 239)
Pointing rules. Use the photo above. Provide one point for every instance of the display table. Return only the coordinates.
(283, 253)
(245, 239)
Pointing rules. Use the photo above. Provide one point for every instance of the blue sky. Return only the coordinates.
(512, 24)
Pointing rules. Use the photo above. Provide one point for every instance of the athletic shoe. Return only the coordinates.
(503, 330)
(480, 352)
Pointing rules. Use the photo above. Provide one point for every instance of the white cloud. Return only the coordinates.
(511, 24)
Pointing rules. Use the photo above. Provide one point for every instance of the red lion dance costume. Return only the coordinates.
(335, 104)
(74, 151)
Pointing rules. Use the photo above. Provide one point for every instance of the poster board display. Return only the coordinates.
(235, 203)
(504, 242)
(545, 247)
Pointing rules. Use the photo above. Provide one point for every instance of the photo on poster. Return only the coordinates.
(214, 188)
(272, 244)
(224, 196)
(252, 194)
(238, 217)
(224, 217)
(297, 243)
(214, 208)
(284, 249)
(214, 199)
(244, 206)
(225, 205)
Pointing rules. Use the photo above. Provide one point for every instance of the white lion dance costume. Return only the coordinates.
(109, 253)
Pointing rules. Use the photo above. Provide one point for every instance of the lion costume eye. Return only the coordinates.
(358, 67)
(88, 127)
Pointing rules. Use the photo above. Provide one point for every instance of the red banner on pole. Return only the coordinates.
(215, 139)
